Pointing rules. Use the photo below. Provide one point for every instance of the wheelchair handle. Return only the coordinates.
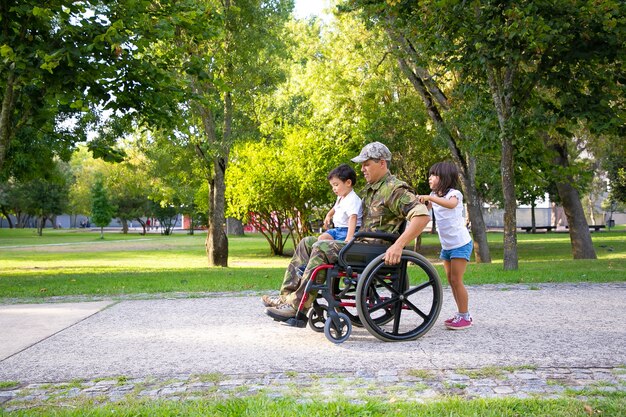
(389, 237)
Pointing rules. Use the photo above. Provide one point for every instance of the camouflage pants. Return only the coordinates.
(311, 253)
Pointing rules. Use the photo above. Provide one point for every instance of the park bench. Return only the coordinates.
(595, 227)
(529, 229)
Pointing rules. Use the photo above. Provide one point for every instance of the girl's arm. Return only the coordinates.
(351, 227)
(448, 203)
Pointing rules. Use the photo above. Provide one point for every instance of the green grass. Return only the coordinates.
(71, 262)
(8, 384)
(614, 405)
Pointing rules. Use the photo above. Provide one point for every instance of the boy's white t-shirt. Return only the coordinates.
(451, 222)
(346, 207)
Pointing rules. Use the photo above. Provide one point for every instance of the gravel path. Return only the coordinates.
(563, 332)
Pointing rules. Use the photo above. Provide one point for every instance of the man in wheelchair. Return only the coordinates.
(387, 204)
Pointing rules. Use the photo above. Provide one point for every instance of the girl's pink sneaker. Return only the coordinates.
(459, 323)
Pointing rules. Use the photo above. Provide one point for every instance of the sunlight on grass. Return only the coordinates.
(78, 263)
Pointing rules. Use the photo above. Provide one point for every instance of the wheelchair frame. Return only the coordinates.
(393, 302)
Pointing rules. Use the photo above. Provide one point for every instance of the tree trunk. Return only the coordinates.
(41, 222)
(580, 236)
(501, 91)
(217, 241)
(9, 221)
(234, 227)
(417, 245)
(432, 96)
(124, 226)
(143, 225)
(510, 206)
(475, 212)
(5, 117)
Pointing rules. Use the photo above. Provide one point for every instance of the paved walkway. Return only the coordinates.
(547, 340)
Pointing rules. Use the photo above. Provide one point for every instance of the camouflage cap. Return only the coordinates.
(374, 150)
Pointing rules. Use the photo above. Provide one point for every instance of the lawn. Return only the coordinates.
(73, 262)
(78, 262)
(609, 405)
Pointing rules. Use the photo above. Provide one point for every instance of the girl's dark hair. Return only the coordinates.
(344, 172)
(448, 176)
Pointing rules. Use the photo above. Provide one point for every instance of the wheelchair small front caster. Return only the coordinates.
(318, 317)
(338, 328)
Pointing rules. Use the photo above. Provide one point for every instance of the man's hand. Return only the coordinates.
(413, 229)
(393, 254)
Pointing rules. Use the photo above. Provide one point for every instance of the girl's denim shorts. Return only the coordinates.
(463, 252)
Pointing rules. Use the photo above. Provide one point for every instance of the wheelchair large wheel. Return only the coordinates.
(400, 302)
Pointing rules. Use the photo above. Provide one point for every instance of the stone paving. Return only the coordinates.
(544, 363)
(391, 386)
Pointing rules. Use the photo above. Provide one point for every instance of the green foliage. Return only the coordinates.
(166, 215)
(45, 197)
(85, 169)
(615, 165)
(52, 76)
(101, 208)
(41, 197)
(128, 189)
(276, 185)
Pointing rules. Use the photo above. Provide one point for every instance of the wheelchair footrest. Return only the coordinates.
(301, 320)
(294, 322)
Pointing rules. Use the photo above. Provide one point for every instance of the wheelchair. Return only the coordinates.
(393, 302)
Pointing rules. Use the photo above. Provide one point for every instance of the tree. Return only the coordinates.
(276, 186)
(518, 49)
(173, 174)
(101, 208)
(214, 59)
(166, 215)
(54, 61)
(129, 190)
(85, 170)
(435, 102)
(45, 199)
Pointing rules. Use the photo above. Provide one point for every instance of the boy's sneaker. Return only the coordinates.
(459, 323)
(450, 320)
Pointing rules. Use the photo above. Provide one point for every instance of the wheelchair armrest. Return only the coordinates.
(389, 237)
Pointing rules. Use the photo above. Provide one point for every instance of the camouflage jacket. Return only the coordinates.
(387, 203)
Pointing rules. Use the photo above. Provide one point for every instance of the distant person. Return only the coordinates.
(148, 224)
(347, 212)
(456, 243)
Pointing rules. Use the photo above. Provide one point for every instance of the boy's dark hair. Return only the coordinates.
(344, 172)
(448, 177)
